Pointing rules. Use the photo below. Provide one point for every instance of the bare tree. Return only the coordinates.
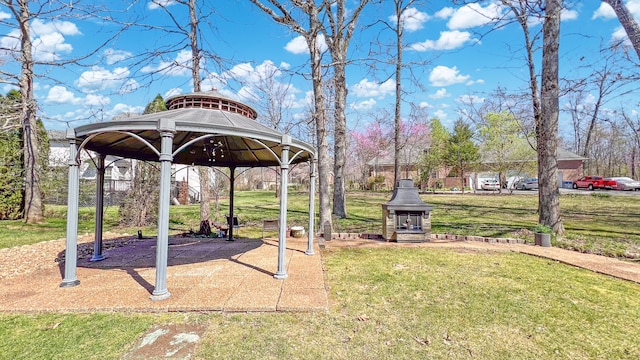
(341, 32)
(192, 33)
(607, 79)
(23, 13)
(281, 13)
(547, 134)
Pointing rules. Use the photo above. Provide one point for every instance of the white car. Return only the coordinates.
(490, 184)
(622, 183)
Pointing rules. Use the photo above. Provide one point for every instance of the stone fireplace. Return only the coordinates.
(406, 218)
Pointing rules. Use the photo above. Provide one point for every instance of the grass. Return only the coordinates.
(387, 303)
(595, 223)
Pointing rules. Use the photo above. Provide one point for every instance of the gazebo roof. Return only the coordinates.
(209, 130)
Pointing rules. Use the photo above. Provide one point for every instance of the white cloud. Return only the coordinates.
(568, 14)
(96, 100)
(48, 39)
(285, 66)
(363, 105)
(243, 71)
(605, 11)
(448, 40)
(41, 28)
(366, 88)
(470, 99)
(621, 35)
(113, 56)
(445, 13)
(49, 47)
(4, 15)
(445, 76)
(412, 18)
(440, 114)
(180, 66)
(213, 81)
(8, 87)
(60, 95)
(172, 92)
(11, 42)
(121, 108)
(299, 45)
(98, 79)
(156, 4)
(440, 94)
(425, 105)
(473, 15)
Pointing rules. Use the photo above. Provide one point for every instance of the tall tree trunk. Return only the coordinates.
(547, 136)
(398, 105)
(341, 33)
(628, 22)
(33, 211)
(203, 171)
(324, 161)
(340, 137)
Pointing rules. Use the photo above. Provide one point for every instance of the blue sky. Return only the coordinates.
(454, 57)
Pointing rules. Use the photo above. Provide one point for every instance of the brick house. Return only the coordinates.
(570, 167)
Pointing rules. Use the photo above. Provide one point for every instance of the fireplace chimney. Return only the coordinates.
(406, 218)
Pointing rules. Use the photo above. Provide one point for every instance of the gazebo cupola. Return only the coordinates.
(210, 100)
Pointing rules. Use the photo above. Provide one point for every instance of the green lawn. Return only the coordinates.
(596, 223)
(387, 303)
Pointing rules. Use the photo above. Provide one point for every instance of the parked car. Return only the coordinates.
(490, 184)
(527, 184)
(589, 182)
(622, 183)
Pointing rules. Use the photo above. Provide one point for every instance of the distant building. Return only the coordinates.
(118, 174)
(570, 167)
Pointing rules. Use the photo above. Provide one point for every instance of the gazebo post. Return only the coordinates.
(312, 201)
(97, 244)
(232, 181)
(282, 229)
(71, 251)
(166, 128)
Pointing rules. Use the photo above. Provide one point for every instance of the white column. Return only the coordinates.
(312, 203)
(166, 129)
(282, 230)
(71, 252)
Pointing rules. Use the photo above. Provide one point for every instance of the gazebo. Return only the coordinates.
(203, 128)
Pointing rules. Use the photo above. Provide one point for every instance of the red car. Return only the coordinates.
(589, 182)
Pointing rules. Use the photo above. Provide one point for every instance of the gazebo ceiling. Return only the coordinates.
(207, 136)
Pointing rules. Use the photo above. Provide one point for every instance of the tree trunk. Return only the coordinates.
(547, 135)
(340, 137)
(203, 172)
(33, 211)
(324, 160)
(398, 105)
(205, 200)
(628, 22)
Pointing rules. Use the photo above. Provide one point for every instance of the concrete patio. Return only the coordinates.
(203, 275)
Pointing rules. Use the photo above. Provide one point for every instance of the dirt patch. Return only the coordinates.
(172, 341)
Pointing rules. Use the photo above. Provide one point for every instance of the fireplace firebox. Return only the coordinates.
(406, 218)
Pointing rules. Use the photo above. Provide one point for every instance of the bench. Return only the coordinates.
(270, 225)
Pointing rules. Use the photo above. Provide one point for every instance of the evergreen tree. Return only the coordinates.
(462, 153)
